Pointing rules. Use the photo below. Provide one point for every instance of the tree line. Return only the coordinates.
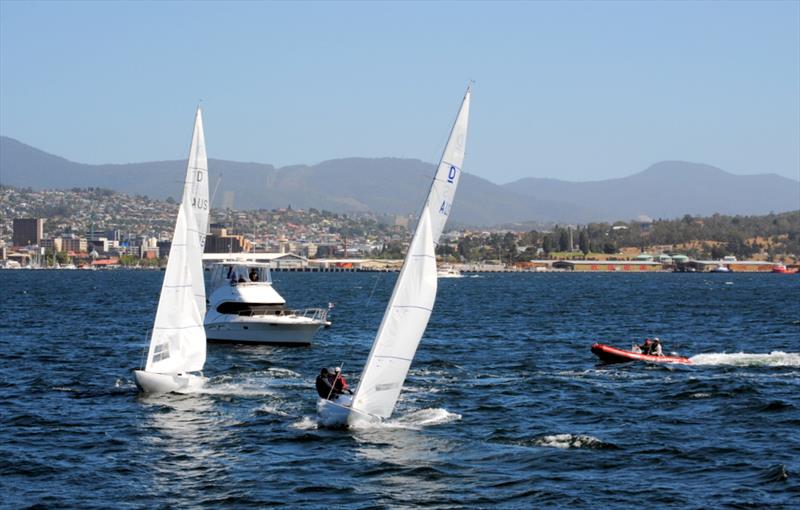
(772, 235)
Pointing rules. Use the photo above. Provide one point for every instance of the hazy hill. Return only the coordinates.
(397, 186)
(384, 185)
(670, 189)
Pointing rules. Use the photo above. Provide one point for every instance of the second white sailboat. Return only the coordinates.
(177, 349)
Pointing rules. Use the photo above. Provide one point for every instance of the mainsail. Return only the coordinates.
(196, 189)
(414, 294)
(178, 341)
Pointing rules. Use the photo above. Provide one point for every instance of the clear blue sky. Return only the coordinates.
(571, 90)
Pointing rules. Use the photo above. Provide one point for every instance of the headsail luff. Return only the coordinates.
(414, 294)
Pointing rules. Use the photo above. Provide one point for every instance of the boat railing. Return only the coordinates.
(316, 314)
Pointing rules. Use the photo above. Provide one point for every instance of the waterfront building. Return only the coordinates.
(73, 243)
(27, 231)
(101, 244)
(608, 265)
(310, 250)
(220, 241)
(278, 261)
(52, 243)
(164, 247)
(740, 266)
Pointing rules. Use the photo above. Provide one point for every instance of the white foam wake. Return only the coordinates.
(569, 441)
(429, 416)
(305, 423)
(743, 359)
(414, 420)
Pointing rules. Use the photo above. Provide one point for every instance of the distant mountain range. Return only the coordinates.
(397, 186)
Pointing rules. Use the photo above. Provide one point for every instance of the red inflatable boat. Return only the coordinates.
(609, 354)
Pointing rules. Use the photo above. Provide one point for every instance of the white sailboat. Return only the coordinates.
(412, 300)
(178, 340)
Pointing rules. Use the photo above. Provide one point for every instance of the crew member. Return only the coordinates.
(656, 348)
(339, 384)
(324, 387)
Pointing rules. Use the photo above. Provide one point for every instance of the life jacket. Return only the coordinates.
(338, 383)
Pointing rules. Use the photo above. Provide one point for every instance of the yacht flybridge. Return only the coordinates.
(244, 307)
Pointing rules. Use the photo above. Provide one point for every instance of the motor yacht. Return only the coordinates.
(244, 307)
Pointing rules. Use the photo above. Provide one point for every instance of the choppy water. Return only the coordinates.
(505, 405)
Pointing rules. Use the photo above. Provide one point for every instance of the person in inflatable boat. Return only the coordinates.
(649, 347)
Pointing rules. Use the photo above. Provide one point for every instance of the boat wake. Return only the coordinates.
(414, 420)
(306, 423)
(565, 441)
(424, 418)
(254, 385)
(743, 359)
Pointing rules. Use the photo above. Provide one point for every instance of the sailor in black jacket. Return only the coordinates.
(324, 387)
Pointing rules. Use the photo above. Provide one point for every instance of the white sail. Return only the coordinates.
(402, 327)
(414, 294)
(178, 341)
(445, 182)
(196, 190)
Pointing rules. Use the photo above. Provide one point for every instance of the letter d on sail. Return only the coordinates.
(452, 174)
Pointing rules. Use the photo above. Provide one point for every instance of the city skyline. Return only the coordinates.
(575, 91)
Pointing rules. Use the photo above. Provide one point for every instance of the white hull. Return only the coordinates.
(448, 272)
(150, 382)
(261, 329)
(337, 413)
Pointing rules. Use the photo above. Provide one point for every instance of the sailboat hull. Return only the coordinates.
(338, 413)
(150, 382)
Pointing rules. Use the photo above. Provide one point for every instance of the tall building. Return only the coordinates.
(27, 231)
(220, 241)
(73, 243)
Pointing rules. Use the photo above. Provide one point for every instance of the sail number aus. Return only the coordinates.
(445, 208)
(200, 203)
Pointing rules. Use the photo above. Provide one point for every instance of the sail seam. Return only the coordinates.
(413, 306)
(178, 327)
(392, 357)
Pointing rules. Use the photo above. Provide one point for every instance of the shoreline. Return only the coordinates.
(471, 271)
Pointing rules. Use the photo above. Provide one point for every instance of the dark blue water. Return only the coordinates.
(505, 405)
